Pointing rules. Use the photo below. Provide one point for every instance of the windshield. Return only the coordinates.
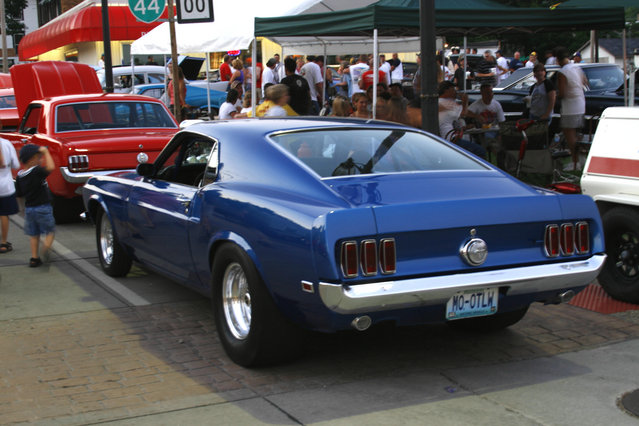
(604, 78)
(111, 115)
(372, 151)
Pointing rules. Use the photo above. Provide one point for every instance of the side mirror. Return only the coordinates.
(144, 169)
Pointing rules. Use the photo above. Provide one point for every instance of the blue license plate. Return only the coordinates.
(472, 303)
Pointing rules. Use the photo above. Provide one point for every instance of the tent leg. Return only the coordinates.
(465, 62)
(208, 84)
(254, 77)
(625, 67)
(375, 71)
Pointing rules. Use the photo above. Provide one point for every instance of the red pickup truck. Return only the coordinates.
(87, 132)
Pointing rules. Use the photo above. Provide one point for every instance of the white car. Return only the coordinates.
(125, 77)
(611, 178)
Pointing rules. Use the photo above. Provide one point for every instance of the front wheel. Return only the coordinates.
(114, 260)
(620, 274)
(251, 328)
(493, 322)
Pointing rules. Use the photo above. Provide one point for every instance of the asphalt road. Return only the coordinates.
(78, 347)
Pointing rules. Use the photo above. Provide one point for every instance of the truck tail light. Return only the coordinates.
(368, 257)
(551, 240)
(387, 258)
(582, 235)
(567, 239)
(78, 163)
(349, 259)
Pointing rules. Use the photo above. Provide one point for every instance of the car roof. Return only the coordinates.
(95, 97)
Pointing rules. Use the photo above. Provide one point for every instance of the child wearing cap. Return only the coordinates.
(32, 185)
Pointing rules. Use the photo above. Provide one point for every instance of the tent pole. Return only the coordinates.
(254, 77)
(325, 101)
(428, 95)
(625, 67)
(208, 84)
(465, 62)
(375, 72)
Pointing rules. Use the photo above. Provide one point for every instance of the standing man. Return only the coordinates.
(397, 69)
(268, 75)
(8, 203)
(225, 69)
(386, 68)
(503, 70)
(532, 60)
(485, 73)
(298, 89)
(101, 62)
(279, 68)
(516, 63)
(312, 72)
(357, 70)
(571, 82)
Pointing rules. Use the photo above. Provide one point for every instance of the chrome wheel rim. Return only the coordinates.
(627, 255)
(106, 240)
(236, 301)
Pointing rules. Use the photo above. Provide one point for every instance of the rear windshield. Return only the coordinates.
(111, 115)
(7, 102)
(371, 151)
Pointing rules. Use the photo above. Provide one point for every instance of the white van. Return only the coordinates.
(611, 178)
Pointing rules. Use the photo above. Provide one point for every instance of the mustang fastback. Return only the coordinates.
(337, 224)
(87, 132)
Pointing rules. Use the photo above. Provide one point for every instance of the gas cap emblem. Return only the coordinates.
(142, 158)
(474, 252)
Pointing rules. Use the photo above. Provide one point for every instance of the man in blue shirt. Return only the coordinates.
(516, 63)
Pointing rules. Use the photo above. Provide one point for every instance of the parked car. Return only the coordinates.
(9, 117)
(611, 178)
(605, 89)
(87, 132)
(337, 224)
(195, 96)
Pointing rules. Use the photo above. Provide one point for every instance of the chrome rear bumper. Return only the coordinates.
(82, 177)
(387, 295)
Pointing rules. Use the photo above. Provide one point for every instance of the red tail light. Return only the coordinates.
(551, 240)
(79, 163)
(349, 259)
(567, 239)
(583, 237)
(387, 258)
(368, 257)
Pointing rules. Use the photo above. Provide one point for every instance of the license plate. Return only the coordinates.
(472, 303)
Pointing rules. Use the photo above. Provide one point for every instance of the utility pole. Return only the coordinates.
(3, 25)
(177, 108)
(106, 36)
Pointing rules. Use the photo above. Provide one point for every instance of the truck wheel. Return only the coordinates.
(251, 328)
(67, 210)
(620, 274)
(114, 260)
(494, 322)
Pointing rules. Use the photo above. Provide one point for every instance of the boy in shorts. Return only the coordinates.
(8, 203)
(32, 185)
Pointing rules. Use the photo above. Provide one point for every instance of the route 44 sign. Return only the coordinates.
(189, 11)
(147, 10)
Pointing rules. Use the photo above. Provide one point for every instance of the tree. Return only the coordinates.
(13, 13)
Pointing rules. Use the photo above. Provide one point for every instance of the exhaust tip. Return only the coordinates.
(567, 296)
(362, 323)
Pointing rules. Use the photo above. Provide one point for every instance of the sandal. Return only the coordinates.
(34, 262)
(5, 247)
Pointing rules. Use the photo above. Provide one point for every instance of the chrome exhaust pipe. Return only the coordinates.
(361, 323)
(567, 296)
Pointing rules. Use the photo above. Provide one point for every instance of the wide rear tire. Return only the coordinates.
(620, 274)
(252, 330)
(113, 258)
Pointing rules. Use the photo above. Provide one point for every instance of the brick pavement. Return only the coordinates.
(120, 363)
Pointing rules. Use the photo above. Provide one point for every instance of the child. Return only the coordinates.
(8, 203)
(32, 185)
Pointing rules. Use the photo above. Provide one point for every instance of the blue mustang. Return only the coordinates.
(195, 96)
(328, 224)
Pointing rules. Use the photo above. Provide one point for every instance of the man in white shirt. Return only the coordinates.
(486, 110)
(356, 72)
(397, 69)
(312, 72)
(8, 203)
(386, 67)
(503, 70)
(268, 75)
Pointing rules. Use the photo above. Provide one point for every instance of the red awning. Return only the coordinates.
(84, 24)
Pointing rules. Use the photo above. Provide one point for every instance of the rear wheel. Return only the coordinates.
(251, 328)
(620, 274)
(494, 322)
(114, 260)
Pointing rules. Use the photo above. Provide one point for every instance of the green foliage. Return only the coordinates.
(13, 11)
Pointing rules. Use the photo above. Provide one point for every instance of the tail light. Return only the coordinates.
(567, 239)
(387, 259)
(583, 237)
(368, 257)
(349, 259)
(78, 163)
(551, 241)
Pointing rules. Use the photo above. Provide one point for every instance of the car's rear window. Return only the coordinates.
(7, 102)
(111, 115)
(371, 151)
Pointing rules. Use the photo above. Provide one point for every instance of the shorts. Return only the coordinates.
(8, 205)
(39, 220)
(573, 121)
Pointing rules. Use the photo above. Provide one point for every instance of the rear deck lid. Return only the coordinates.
(41, 80)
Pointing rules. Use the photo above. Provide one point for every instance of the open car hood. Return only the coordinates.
(5, 81)
(190, 66)
(40, 80)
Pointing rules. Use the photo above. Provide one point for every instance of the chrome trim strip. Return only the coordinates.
(82, 177)
(410, 293)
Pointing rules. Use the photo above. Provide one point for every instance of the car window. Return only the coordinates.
(153, 92)
(187, 161)
(155, 78)
(109, 115)
(7, 102)
(31, 119)
(371, 151)
(604, 78)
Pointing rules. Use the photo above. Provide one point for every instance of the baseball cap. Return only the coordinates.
(28, 151)
(498, 51)
(533, 53)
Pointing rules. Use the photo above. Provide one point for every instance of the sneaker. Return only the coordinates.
(34, 262)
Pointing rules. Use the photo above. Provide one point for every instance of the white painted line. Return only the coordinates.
(112, 285)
